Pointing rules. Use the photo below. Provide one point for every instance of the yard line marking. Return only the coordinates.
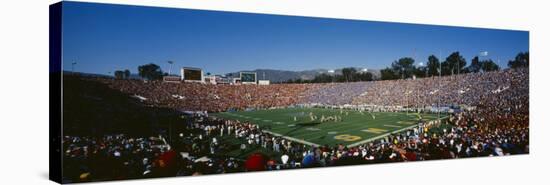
(278, 123)
(339, 127)
(374, 130)
(354, 127)
(405, 122)
(394, 126)
(292, 139)
(291, 125)
(313, 129)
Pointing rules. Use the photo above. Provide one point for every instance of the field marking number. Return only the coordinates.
(347, 137)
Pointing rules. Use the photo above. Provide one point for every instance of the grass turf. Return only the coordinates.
(356, 127)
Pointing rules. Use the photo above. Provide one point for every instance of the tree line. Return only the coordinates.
(453, 64)
(149, 71)
(405, 67)
(119, 74)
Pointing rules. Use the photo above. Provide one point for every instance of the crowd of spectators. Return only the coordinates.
(335, 93)
(213, 98)
(112, 157)
(466, 89)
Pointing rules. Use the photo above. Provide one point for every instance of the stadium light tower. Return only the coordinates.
(421, 64)
(406, 96)
(483, 54)
(72, 67)
(458, 77)
(438, 90)
(170, 69)
(407, 99)
(331, 71)
(364, 71)
(457, 65)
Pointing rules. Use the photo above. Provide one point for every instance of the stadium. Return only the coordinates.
(191, 128)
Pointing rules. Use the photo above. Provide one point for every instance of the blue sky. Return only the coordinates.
(102, 38)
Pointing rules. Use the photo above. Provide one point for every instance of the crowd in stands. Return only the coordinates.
(465, 89)
(498, 125)
(111, 157)
(214, 98)
(336, 93)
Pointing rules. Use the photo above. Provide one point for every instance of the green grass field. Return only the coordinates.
(355, 128)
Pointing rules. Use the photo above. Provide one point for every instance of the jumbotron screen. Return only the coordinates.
(192, 74)
(248, 77)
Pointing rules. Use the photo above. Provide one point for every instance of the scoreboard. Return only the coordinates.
(190, 74)
(248, 77)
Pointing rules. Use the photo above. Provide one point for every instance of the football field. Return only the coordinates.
(351, 127)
